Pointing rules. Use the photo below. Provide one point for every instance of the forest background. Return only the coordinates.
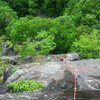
(41, 27)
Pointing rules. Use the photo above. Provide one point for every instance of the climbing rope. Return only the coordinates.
(74, 71)
(75, 86)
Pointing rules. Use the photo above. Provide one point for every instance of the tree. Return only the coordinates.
(66, 34)
(42, 44)
(62, 28)
(27, 27)
(27, 36)
(88, 45)
(6, 15)
(85, 12)
(47, 8)
(20, 6)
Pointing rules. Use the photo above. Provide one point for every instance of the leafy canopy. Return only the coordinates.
(6, 15)
(88, 45)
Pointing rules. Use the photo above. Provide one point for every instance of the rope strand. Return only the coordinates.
(75, 87)
(74, 71)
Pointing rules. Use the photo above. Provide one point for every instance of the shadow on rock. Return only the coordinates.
(56, 88)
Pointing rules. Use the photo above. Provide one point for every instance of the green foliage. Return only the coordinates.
(42, 44)
(27, 49)
(88, 45)
(27, 27)
(54, 8)
(31, 35)
(25, 85)
(2, 3)
(3, 65)
(2, 39)
(85, 12)
(35, 7)
(28, 38)
(6, 15)
(84, 29)
(20, 6)
(50, 8)
(61, 30)
(66, 34)
(89, 19)
(13, 70)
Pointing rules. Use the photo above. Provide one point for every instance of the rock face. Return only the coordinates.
(12, 59)
(28, 59)
(52, 74)
(23, 74)
(7, 51)
(73, 56)
(44, 72)
(7, 73)
(48, 71)
(88, 75)
(3, 89)
(15, 76)
(65, 84)
(59, 79)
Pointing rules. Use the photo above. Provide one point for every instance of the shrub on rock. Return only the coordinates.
(25, 85)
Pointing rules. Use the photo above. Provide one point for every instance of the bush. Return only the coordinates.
(20, 6)
(27, 27)
(2, 40)
(1, 70)
(66, 34)
(3, 65)
(25, 85)
(2, 3)
(62, 30)
(42, 44)
(32, 35)
(6, 15)
(89, 19)
(53, 8)
(88, 45)
(50, 8)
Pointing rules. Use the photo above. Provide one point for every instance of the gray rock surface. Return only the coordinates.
(48, 71)
(28, 59)
(16, 76)
(43, 72)
(12, 59)
(7, 51)
(59, 78)
(88, 73)
(72, 56)
(7, 72)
